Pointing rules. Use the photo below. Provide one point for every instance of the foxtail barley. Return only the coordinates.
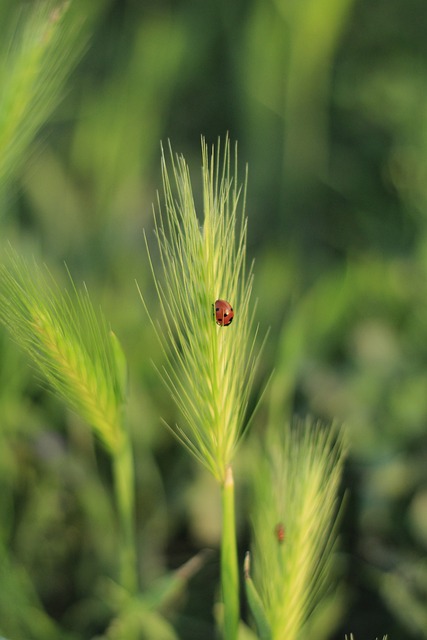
(209, 368)
(83, 361)
(209, 362)
(295, 507)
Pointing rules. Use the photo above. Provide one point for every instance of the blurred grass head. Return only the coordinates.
(41, 42)
(296, 501)
(69, 342)
(210, 363)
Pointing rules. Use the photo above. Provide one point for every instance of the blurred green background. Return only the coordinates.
(328, 102)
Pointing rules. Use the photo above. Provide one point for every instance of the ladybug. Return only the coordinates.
(279, 530)
(223, 312)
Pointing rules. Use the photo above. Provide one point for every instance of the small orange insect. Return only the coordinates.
(223, 312)
(279, 530)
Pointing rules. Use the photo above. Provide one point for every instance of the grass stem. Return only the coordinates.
(229, 564)
(124, 486)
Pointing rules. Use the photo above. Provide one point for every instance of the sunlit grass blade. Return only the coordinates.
(296, 489)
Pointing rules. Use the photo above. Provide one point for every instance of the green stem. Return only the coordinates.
(124, 485)
(229, 564)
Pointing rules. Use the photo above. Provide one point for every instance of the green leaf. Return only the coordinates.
(171, 586)
(121, 367)
(135, 622)
(256, 606)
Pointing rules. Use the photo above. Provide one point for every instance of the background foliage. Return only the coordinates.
(328, 102)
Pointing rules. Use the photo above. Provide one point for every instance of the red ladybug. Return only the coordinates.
(279, 530)
(224, 313)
